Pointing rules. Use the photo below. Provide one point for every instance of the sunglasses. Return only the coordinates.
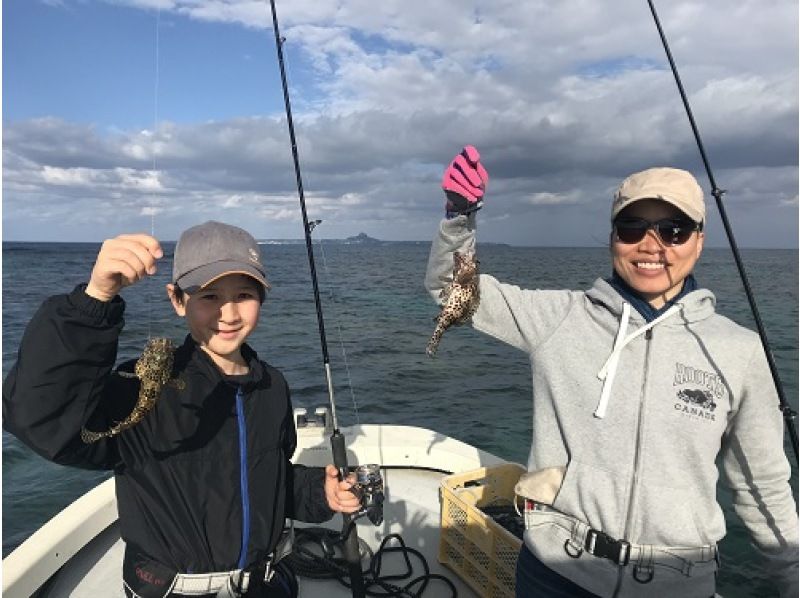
(670, 231)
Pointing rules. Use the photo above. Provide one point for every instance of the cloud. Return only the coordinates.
(554, 198)
(563, 100)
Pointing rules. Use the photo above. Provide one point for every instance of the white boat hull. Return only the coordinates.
(79, 552)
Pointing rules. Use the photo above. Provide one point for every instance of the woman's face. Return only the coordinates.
(650, 267)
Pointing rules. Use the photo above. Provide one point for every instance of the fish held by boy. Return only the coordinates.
(460, 298)
(154, 369)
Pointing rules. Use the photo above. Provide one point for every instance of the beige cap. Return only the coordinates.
(672, 185)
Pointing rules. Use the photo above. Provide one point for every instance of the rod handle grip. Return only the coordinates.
(339, 454)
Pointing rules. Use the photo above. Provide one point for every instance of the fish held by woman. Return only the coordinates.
(460, 298)
(154, 371)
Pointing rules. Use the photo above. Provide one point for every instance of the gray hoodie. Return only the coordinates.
(638, 414)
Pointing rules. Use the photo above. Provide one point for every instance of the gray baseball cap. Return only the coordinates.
(211, 250)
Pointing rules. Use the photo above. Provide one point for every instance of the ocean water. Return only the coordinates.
(378, 319)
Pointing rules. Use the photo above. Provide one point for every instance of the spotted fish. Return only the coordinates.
(460, 298)
(153, 368)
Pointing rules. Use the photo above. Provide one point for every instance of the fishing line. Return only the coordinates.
(152, 209)
(337, 321)
(349, 546)
(789, 415)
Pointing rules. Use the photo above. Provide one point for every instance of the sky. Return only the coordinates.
(155, 115)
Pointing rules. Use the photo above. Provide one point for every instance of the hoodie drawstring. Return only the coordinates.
(609, 369)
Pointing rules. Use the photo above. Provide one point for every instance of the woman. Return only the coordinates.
(638, 387)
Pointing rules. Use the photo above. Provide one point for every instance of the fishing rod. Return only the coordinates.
(789, 415)
(350, 544)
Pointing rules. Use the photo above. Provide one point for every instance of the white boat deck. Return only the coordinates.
(58, 561)
(411, 510)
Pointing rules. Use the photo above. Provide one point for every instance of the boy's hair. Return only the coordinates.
(211, 250)
(179, 294)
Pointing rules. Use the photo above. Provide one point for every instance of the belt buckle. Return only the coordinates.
(253, 577)
(602, 545)
(263, 573)
(624, 556)
(243, 581)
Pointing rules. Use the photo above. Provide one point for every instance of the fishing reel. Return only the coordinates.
(369, 489)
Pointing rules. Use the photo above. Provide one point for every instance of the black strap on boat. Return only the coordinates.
(351, 549)
(789, 415)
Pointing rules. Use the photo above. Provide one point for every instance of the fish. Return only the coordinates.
(154, 371)
(460, 298)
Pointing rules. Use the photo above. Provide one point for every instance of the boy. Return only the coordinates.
(204, 481)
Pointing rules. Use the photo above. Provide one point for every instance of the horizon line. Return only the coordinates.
(301, 240)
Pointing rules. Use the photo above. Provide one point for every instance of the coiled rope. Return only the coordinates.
(314, 555)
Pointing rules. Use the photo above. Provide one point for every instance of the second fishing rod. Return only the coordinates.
(350, 542)
(789, 415)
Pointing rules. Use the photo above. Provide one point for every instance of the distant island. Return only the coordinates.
(359, 239)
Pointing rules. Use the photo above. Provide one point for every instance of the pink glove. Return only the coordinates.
(464, 183)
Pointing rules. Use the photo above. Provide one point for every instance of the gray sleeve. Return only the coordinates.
(755, 467)
(457, 234)
(522, 318)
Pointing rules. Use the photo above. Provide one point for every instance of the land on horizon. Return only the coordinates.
(365, 239)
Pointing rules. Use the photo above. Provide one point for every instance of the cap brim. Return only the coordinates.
(201, 277)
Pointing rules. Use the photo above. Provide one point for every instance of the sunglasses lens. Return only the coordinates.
(674, 233)
(671, 232)
(631, 231)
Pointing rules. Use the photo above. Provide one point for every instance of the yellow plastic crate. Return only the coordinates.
(472, 544)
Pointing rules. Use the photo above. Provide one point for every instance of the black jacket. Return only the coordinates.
(204, 481)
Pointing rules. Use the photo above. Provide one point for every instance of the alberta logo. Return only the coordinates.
(697, 402)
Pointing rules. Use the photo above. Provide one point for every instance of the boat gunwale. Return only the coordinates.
(40, 556)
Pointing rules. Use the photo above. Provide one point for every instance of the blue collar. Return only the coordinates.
(648, 312)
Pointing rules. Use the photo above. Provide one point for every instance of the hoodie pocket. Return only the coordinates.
(677, 516)
(595, 496)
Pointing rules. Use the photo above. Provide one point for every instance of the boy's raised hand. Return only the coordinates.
(121, 262)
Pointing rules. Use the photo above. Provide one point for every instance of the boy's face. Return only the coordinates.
(221, 316)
